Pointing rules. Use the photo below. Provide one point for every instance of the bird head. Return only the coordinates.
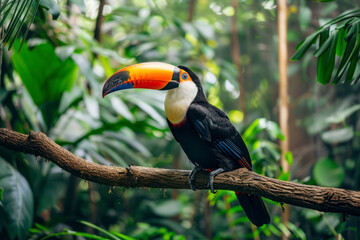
(149, 75)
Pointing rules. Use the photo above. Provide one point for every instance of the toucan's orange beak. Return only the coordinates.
(151, 75)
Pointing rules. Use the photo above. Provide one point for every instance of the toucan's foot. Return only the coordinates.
(211, 178)
(128, 168)
(192, 176)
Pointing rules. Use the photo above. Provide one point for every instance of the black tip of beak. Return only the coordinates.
(116, 82)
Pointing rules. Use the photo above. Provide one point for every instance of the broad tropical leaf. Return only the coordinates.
(17, 204)
(328, 173)
(48, 72)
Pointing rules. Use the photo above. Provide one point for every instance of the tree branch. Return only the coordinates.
(191, 10)
(99, 21)
(319, 198)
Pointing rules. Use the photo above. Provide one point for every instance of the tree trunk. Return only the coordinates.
(283, 91)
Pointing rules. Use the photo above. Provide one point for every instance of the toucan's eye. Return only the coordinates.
(184, 76)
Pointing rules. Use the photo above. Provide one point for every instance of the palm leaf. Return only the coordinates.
(339, 38)
(14, 14)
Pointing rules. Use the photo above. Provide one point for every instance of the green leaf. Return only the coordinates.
(18, 202)
(354, 52)
(311, 214)
(124, 150)
(341, 115)
(289, 157)
(234, 209)
(347, 15)
(338, 135)
(39, 69)
(52, 7)
(272, 128)
(356, 79)
(271, 148)
(52, 189)
(147, 108)
(107, 233)
(262, 124)
(352, 32)
(115, 157)
(16, 14)
(304, 46)
(284, 176)
(5, 10)
(274, 230)
(1, 195)
(323, 47)
(299, 233)
(64, 52)
(71, 233)
(120, 107)
(122, 236)
(80, 4)
(283, 229)
(166, 208)
(351, 68)
(86, 69)
(70, 99)
(348, 50)
(18, 20)
(130, 140)
(326, 61)
(35, 11)
(328, 173)
(92, 106)
(341, 43)
(111, 54)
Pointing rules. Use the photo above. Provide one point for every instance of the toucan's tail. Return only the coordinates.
(254, 208)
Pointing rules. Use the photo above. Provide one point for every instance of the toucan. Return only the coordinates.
(204, 132)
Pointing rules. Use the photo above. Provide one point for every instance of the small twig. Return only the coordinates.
(99, 21)
(191, 10)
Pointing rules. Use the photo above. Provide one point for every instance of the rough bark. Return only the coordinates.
(319, 198)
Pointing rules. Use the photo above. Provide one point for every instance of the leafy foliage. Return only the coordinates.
(17, 204)
(57, 76)
(338, 38)
(16, 12)
(327, 173)
(62, 62)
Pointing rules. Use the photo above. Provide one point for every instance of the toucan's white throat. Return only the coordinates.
(178, 100)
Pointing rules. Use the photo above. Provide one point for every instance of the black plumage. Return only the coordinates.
(211, 142)
(204, 132)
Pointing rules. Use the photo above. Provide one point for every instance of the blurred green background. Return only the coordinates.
(52, 74)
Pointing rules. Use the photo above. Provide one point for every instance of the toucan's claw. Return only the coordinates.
(192, 176)
(128, 168)
(211, 178)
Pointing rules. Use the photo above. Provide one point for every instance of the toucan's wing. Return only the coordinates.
(214, 126)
